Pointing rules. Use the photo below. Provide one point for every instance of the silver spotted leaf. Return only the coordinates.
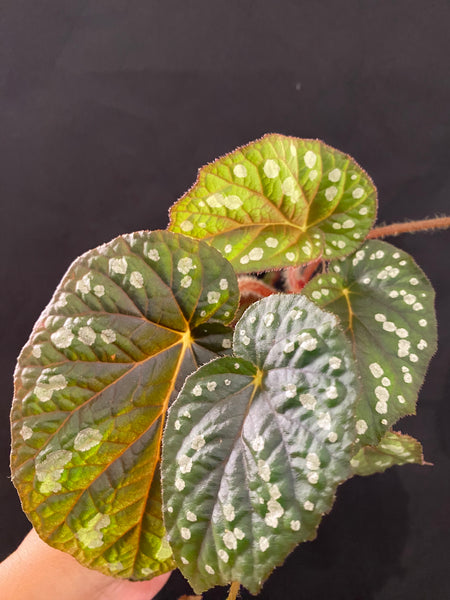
(128, 322)
(256, 444)
(279, 201)
(394, 449)
(386, 306)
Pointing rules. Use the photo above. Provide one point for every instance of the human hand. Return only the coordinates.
(36, 571)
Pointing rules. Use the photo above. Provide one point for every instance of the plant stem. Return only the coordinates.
(397, 228)
(234, 590)
(298, 277)
(250, 286)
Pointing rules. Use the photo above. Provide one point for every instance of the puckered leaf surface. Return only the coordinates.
(386, 306)
(393, 449)
(127, 323)
(256, 444)
(279, 201)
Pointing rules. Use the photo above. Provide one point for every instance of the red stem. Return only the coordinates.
(249, 286)
(398, 228)
(297, 278)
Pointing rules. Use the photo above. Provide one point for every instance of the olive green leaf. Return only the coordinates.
(393, 449)
(386, 306)
(128, 322)
(279, 201)
(256, 444)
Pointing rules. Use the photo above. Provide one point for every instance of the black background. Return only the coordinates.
(109, 107)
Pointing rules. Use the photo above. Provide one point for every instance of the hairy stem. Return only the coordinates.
(234, 590)
(397, 228)
(298, 277)
(250, 286)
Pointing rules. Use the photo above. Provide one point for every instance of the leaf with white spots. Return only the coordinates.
(92, 387)
(386, 306)
(269, 437)
(393, 449)
(279, 201)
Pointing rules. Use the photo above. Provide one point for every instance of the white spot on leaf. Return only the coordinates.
(310, 159)
(290, 390)
(271, 168)
(376, 370)
(312, 461)
(137, 280)
(256, 254)
(44, 390)
(198, 442)
(213, 297)
(118, 265)
(190, 516)
(87, 335)
(308, 401)
(229, 539)
(263, 470)
(99, 290)
(26, 432)
(186, 281)
(153, 255)
(84, 284)
(185, 265)
(108, 336)
(91, 535)
(223, 555)
(240, 171)
(49, 469)
(186, 226)
(331, 193)
(62, 338)
(258, 444)
(263, 543)
(361, 427)
(271, 242)
(86, 439)
(334, 175)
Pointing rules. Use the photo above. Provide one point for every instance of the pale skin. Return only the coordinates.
(36, 571)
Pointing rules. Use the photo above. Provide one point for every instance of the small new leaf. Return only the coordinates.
(279, 201)
(256, 444)
(394, 449)
(385, 304)
(128, 322)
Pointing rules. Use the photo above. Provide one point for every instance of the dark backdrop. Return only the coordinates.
(108, 108)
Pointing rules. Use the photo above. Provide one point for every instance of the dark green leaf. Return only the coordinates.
(279, 201)
(386, 307)
(393, 449)
(256, 444)
(127, 323)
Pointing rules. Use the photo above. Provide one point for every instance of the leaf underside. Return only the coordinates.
(393, 449)
(256, 444)
(385, 304)
(128, 322)
(279, 201)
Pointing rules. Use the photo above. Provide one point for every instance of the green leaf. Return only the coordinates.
(393, 449)
(386, 306)
(128, 322)
(280, 201)
(256, 444)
